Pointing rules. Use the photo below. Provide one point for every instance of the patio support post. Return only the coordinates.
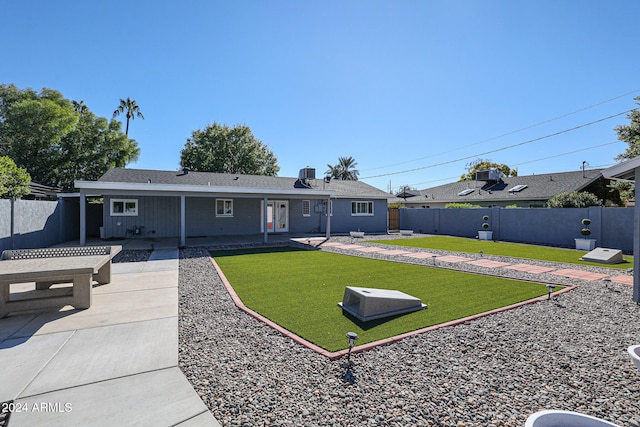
(328, 218)
(265, 219)
(183, 221)
(636, 241)
(83, 218)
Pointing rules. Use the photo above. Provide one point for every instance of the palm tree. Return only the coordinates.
(344, 170)
(132, 111)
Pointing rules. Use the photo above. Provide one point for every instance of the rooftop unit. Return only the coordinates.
(489, 175)
(307, 173)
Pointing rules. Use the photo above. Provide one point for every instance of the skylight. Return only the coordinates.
(517, 188)
(466, 192)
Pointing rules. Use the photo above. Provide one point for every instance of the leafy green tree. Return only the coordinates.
(219, 148)
(483, 164)
(58, 141)
(574, 199)
(344, 170)
(131, 109)
(630, 134)
(14, 181)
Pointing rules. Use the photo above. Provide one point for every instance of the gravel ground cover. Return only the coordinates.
(494, 371)
(131, 255)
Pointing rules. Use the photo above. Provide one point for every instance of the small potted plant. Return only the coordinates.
(584, 243)
(485, 233)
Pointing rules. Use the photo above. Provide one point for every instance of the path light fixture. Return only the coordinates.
(348, 376)
(433, 257)
(550, 288)
(606, 282)
(481, 253)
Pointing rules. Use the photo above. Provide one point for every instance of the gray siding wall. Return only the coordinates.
(342, 221)
(611, 227)
(160, 217)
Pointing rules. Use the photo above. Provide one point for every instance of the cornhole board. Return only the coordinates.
(604, 256)
(367, 304)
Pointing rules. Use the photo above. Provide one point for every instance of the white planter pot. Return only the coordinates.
(356, 233)
(634, 352)
(485, 235)
(406, 232)
(585, 244)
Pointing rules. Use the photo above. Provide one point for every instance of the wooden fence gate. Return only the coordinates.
(394, 219)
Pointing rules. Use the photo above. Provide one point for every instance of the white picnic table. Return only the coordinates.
(45, 272)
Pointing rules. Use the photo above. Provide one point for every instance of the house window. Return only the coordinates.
(124, 207)
(224, 207)
(361, 208)
(306, 208)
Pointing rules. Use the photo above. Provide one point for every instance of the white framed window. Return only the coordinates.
(306, 208)
(362, 208)
(124, 207)
(224, 207)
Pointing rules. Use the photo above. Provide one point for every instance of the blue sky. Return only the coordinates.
(425, 86)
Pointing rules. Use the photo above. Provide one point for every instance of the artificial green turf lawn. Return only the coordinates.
(300, 290)
(462, 244)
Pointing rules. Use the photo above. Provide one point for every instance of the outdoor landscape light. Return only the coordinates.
(348, 376)
(606, 282)
(550, 289)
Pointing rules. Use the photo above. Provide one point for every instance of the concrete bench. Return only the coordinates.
(102, 276)
(49, 266)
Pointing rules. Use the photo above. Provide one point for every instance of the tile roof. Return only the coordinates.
(271, 183)
(538, 187)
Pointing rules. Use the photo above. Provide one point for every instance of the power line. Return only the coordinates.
(508, 133)
(533, 161)
(499, 149)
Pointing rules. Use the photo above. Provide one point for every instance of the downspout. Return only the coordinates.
(13, 222)
(183, 221)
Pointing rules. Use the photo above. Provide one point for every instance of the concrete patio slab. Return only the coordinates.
(107, 309)
(14, 322)
(147, 346)
(158, 398)
(138, 282)
(23, 359)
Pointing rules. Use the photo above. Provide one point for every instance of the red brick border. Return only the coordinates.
(368, 346)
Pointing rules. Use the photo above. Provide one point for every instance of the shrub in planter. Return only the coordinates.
(585, 229)
(485, 224)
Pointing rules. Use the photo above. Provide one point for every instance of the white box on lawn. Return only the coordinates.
(604, 256)
(369, 303)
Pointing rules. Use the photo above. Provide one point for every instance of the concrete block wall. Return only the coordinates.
(611, 227)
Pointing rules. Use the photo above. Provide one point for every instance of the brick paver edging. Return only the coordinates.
(364, 347)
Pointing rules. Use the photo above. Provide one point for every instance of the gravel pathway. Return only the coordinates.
(494, 371)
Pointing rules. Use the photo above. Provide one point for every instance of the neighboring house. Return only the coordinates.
(521, 191)
(183, 204)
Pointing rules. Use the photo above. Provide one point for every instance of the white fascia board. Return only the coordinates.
(625, 170)
(135, 187)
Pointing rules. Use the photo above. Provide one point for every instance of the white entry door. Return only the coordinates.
(277, 216)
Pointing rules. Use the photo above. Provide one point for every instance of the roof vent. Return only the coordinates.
(466, 192)
(185, 171)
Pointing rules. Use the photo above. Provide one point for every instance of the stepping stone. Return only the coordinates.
(578, 274)
(488, 263)
(528, 268)
(625, 280)
(394, 252)
(371, 249)
(420, 255)
(453, 259)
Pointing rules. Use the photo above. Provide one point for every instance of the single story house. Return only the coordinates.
(522, 191)
(154, 203)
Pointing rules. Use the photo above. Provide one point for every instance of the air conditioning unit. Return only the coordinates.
(488, 175)
(307, 173)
